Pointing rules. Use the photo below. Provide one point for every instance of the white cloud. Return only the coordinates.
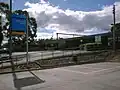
(65, 0)
(13, 1)
(99, 5)
(52, 17)
(42, 1)
(44, 35)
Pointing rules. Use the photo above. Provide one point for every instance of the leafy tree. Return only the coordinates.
(1, 35)
(32, 26)
(4, 9)
(117, 30)
(1, 38)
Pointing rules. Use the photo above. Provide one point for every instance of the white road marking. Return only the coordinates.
(92, 72)
(91, 67)
(97, 71)
(73, 71)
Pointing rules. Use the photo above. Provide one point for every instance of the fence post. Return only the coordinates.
(63, 52)
(72, 52)
(41, 55)
(16, 60)
(52, 53)
(94, 56)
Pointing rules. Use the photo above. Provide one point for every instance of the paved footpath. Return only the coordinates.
(97, 76)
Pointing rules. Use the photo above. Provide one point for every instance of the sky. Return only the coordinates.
(83, 17)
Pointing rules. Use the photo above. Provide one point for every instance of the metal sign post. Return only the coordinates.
(19, 26)
(10, 36)
(27, 57)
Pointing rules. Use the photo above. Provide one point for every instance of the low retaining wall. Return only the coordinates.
(72, 60)
(60, 61)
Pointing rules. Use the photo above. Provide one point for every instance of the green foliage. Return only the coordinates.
(32, 26)
(117, 28)
(4, 6)
(4, 9)
(1, 38)
(91, 46)
(117, 31)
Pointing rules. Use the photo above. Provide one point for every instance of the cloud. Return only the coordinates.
(65, 0)
(43, 1)
(52, 17)
(13, 1)
(44, 35)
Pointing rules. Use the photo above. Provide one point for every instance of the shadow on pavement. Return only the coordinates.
(27, 81)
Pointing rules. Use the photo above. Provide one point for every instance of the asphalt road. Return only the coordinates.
(97, 76)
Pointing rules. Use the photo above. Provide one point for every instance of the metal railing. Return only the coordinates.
(50, 57)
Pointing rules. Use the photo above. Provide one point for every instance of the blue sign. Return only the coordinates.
(19, 23)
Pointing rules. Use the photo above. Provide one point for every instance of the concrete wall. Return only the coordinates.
(72, 60)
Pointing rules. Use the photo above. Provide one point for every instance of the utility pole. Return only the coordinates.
(114, 39)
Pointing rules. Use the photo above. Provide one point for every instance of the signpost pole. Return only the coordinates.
(19, 27)
(10, 37)
(27, 58)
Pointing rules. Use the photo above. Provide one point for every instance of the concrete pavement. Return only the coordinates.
(97, 76)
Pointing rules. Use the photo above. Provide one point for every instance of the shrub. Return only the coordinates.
(91, 46)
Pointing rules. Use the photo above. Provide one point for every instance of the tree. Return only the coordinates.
(1, 38)
(117, 34)
(4, 9)
(32, 27)
(117, 30)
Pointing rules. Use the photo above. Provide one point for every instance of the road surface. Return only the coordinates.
(97, 76)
